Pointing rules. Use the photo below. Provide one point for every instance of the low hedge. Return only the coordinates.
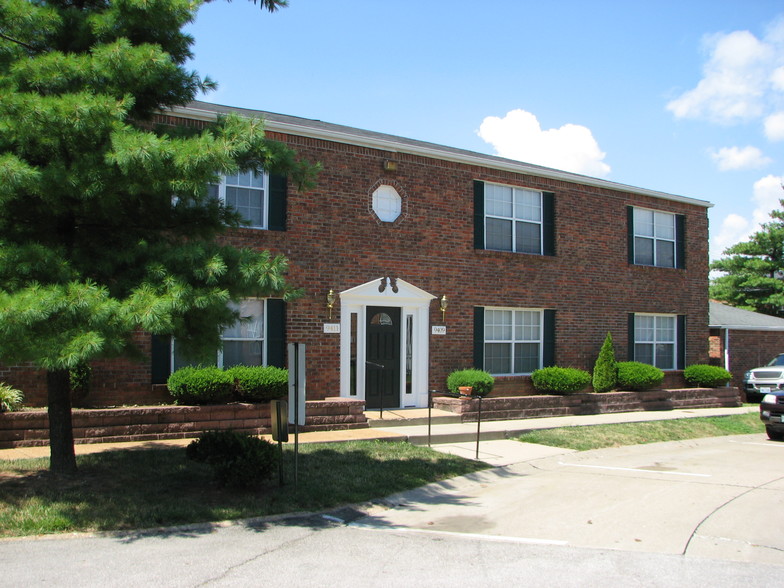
(238, 460)
(706, 376)
(259, 383)
(212, 385)
(636, 376)
(481, 381)
(560, 380)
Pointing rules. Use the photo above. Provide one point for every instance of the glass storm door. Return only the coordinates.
(382, 366)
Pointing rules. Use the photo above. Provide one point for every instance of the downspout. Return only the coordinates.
(727, 349)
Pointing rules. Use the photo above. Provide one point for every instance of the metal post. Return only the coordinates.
(429, 417)
(478, 425)
(296, 413)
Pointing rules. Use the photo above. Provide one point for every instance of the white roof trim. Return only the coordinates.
(420, 148)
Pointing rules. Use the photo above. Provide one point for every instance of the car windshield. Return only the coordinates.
(778, 360)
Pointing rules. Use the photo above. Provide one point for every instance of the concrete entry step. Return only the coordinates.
(404, 417)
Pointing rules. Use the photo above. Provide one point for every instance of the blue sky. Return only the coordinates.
(682, 96)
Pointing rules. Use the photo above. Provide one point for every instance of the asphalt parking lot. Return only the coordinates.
(719, 498)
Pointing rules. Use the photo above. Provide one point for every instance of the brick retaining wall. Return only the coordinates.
(522, 407)
(31, 428)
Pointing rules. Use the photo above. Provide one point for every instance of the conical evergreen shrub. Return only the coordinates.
(605, 371)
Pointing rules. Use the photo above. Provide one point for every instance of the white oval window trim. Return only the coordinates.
(387, 203)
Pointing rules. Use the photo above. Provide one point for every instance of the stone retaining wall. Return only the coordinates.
(149, 423)
(523, 407)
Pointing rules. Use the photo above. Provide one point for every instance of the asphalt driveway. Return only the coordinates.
(718, 498)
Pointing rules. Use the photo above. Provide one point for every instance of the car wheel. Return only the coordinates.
(774, 434)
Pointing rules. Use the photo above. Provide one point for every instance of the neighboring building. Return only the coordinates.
(534, 266)
(742, 340)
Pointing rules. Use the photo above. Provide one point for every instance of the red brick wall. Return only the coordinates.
(751, 349)
(335, 242)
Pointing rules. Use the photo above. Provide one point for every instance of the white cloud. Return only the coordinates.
(774, 126)
(736, 228)
(520, 136)
(742, 78)
(736, 158)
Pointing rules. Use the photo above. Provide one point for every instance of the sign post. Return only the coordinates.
(296, 357)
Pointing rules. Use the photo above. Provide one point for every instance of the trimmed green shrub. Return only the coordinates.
(706, 376)
(200, 385)
(605, 372)
(559, 380)
(238, 460)
(10, 398)
(481, 381)
(80, 382)
(636, 376)
(259, 383)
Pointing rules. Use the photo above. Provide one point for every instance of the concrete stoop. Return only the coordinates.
(407, 417)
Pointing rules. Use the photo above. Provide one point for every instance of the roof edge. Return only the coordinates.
(343, 134)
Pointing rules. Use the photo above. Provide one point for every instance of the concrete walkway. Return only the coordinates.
(447, 434)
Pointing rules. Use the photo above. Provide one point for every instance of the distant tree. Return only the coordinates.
(106, 227)
(605, 371)
(753, 271)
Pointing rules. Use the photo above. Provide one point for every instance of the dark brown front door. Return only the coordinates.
(382, 368)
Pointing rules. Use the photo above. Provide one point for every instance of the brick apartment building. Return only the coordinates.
(419, 259)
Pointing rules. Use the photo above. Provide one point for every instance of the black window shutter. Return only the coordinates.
(548, 223)
(160, 359)
(276, 332)
(548, 340)
(680, 241)
(479, 214)
(630, 338)
(630, 234)
(278, 188)
(680, 362)
(479, 337)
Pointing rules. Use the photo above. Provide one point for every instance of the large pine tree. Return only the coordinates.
(105, 223)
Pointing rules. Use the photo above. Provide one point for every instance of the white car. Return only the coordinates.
(764, 380)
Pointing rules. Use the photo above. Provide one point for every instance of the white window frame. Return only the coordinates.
(259, 337)
(264, 189)
(657, 339)
(656, 234)
(517, 215)
(514, 338)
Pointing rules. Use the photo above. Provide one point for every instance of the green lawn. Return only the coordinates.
(618, 435)
(148, 488)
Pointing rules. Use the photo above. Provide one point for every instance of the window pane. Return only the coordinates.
(665, 328)
(528, 205)
(643, 352)
(528, 238)
(527, 325)
(665, 356)
(643, 251)
(241, 353)
(498, 200)
(498, 325)
(498, 358)
(665, 254)
(644, 328)
(643, 222)
(526, 358)
(498, 234)
(249, 203)
(253, 327)
(664, 225)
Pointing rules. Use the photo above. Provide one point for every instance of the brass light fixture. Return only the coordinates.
(331, 302)
(444, 304)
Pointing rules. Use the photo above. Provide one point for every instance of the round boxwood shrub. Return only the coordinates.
(238, 460)
(636, 376)
(481, 381)
(200, 385)
(706, 376)
(560, 380)
(259, 383)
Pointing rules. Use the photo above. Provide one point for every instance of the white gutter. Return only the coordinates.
(433, 151)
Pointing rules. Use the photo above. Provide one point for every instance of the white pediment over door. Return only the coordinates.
(393, 291)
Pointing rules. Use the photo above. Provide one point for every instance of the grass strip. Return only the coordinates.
(584, 438)
(147, 488)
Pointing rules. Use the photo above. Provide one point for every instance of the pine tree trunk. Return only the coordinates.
(62, 456)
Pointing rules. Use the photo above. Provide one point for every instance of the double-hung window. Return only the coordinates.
(509, 218)
(657, 339)
(245, 192)
(510, 341)
(656, 238)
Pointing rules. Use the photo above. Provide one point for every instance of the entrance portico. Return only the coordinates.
(384, 343)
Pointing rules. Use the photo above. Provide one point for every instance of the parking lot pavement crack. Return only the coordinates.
(695, 532)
